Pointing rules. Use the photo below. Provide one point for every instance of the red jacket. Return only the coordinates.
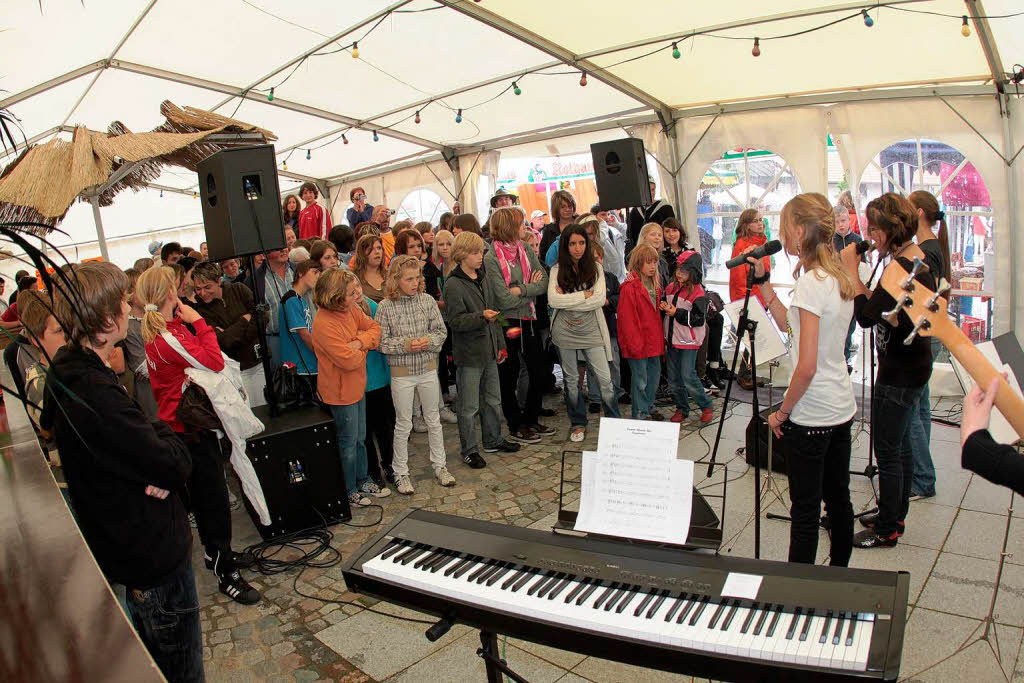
(738, 275)
(314, 223)
(639, 321)
(167, 367)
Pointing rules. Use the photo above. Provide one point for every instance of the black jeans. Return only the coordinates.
(818, 465)
(892, 409)
(208, 493)
(166, 618)
(529, 350)
(380, 427)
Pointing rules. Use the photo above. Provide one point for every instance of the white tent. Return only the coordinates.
(821, 72)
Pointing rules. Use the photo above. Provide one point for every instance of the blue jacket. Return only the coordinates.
(378, 372)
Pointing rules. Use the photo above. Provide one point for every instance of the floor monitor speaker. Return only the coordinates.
(757, 428)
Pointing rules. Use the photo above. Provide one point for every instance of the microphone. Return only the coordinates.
(766, 249)
(863, 247)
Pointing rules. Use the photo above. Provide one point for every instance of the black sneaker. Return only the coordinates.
(869, 539)
(625, 400)
(524, 435)
(474, 460)
(594, 408)
(656, 416)
(868, 522)
(502, 447)
(242, 560)
(543, 430)
(547, 412)
(238, 589)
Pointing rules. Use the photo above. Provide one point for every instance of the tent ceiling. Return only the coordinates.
(415, 53)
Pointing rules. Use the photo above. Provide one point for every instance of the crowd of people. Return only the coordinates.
(381, 321)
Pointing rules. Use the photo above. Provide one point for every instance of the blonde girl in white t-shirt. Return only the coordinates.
(818, 407)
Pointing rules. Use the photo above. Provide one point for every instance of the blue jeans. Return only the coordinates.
(479, 393)
(682, 378)
(350, 424)
(166, 618)
(597, 366)
(594, 386)
(893, 410)
(646, 373)
(920, 438)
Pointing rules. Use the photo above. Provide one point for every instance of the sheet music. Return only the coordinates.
(1000, 429)
(769, 342)
(634, 486)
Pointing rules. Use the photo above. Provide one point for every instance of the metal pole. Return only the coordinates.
(1011, 200)
(100, 237)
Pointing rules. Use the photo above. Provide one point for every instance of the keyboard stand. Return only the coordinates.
(496, 666)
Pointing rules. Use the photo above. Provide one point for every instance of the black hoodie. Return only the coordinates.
(110, 453)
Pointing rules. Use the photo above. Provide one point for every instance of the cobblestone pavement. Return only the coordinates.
(276, 639)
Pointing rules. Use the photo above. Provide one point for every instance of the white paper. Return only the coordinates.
(999, 427)
(769, 342)
(742, 586)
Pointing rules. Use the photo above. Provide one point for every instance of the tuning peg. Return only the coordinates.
(908, 283)
(892, 316)
(922, 324)
(932, 303)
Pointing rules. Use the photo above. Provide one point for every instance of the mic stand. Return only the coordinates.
(744, 324)
(261, 333)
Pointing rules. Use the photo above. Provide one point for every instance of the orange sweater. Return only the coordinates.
(341, 376)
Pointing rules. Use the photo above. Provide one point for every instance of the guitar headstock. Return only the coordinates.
(926, 309)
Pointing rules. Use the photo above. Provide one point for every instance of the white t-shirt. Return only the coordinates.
(828, 400)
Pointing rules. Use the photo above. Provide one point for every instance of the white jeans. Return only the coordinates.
(428, 389)
(254, 381)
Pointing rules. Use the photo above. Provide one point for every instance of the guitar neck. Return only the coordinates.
(1010, 404)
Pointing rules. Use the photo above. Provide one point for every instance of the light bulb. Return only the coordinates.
(161, 194)
(375, 138)
(270, 97)
(965, 30)
(355, 50)
(308, 155)
(757, 48)
(516, 89)
(344, 139)
(195, 196)
(284, 166)
(868, 21)
(583, 79)
(417, 119)
(458, 117)
(676, 54)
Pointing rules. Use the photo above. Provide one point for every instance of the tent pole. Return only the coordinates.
(100, 237)
(673, 148)
(1011, 197)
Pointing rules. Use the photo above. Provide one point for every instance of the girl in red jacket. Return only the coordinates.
(749, 235)
(640, 335)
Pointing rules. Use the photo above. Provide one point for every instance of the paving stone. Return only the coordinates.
(218, 637)
(282, 649)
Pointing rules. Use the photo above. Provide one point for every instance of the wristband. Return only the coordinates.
(763, 279)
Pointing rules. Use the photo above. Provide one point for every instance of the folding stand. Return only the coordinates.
(496, 666)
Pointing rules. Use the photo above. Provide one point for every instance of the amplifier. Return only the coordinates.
(757, 428)
(297, 462)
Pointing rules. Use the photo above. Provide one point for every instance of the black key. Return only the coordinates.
(807, 625)
(458, 565)
(440, 560)
(824, 629)
(615, 598)
(718, 612)
(765, 611)
(586, 594)
(577, 590)
(793, 623)
(424, 559)
(479, 571)
(555, 580)
(515, 577)
(535, 586)
(657, 604)
(487, 574)
(750, 618)
(561, 586)
(437, 566)
(775, 621)
(624, 603)
(851, 629)
(675, 608)
(409, 551)
(395, 546)
(694, 601)
(646, 601)
(525, 578)
(493, 578)
(415, 553)
(469, 566)
(839, 628)
(604, 596)
(699, 611)
(730, 615)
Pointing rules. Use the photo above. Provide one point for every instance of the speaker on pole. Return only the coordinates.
(241, 202)
(620, 169)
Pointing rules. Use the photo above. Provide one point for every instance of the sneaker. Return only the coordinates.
(868, 522)
(547, 412)
(473, 460)
(869, 539)
(594, 408)
(238, 589)
(656, 416)
(418, 425)
(356, 498)
(524, 435)
(503, 447)
(706, 415)
(371, 488)
(679, 416)
(448, 416)
(914, 495)
(242, 560)
(625, 400)
(577, 434)
(543, 430)
(404, 484)
(192, 519)
(444, 477)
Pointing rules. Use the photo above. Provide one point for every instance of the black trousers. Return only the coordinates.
(208, 493)
(892, 410)
(818, 464)
(445, 364)
(380, 428)
(529, 350)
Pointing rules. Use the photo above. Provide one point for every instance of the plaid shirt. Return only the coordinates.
(408, 318)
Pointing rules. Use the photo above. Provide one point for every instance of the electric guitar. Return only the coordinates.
(927, 310)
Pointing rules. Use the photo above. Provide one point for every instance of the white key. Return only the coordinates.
(865, 628)
(809, 647)
(730, 645)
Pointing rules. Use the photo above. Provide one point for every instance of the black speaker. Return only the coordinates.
(241, 202)
(757, 428)
(297, 462)
(620, 169)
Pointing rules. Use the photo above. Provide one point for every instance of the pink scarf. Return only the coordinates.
(508, 254)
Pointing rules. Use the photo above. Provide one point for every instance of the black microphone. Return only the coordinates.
(863, 247)
(766, 249)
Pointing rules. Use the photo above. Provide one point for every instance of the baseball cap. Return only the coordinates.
(154, 247)
(537, 214)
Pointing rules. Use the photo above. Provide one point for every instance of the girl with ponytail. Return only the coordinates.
(817, 410)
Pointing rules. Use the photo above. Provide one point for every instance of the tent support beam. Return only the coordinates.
(52, 83)
(98, 220)
(588, 125)
(977, 132)
(1011, 199)
(988, 43)
(34, 139)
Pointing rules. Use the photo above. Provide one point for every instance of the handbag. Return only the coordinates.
(287, 387)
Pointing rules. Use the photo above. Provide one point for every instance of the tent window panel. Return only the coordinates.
(421, 205)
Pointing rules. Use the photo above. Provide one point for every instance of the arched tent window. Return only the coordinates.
(743, 178)
(421, 205)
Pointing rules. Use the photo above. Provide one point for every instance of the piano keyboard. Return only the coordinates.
(795, 624)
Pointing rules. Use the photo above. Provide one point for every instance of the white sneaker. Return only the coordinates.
(404, 484)
(448, 416)
(371, 489)
(444, 477)
(356, 498)
(418, 425)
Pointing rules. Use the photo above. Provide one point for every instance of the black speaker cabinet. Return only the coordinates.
(296, 459)
(757, 428)
(620, 169)
(241, 202)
